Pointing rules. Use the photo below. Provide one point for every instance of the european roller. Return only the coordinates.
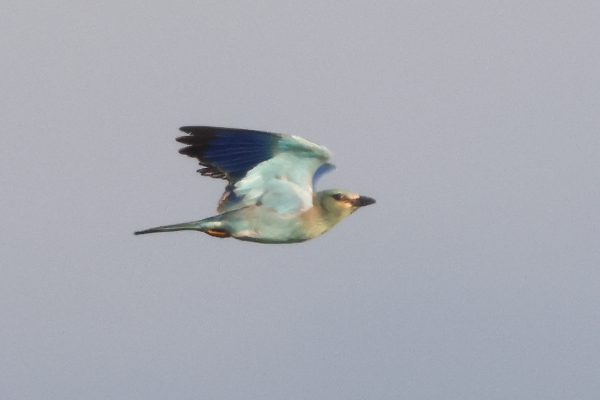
(269, 196)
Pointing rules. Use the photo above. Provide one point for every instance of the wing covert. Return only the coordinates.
(293, 167)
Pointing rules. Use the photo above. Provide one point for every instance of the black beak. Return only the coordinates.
(363, 201)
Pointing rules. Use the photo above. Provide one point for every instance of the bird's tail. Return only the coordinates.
(213, 226)
(186, 226)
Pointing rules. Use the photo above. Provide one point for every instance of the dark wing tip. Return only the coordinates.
(202, 130)
(186, 139)
(198, 140)
(190, 129)
(213, 130)
(198, 134)
(226, 153)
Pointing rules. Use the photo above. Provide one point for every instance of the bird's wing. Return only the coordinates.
(227, 153)
(269, 169)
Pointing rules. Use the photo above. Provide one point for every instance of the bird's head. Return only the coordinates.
(340, 203)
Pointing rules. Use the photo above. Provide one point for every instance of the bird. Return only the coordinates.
(269, 196)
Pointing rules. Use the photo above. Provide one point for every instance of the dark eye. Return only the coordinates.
(339, 197)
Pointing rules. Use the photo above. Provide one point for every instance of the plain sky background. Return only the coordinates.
(475, 125)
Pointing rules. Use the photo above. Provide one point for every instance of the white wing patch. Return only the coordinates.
(285, 197)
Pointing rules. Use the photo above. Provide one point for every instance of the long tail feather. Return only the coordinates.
(189, 226)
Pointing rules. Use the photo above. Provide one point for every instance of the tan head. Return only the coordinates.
(337, 204)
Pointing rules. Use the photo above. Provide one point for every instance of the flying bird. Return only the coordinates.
(269, 196)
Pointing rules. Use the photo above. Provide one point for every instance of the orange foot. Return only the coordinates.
(220, 233)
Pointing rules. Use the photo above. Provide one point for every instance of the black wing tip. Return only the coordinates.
(197, 141)
(203, 129)
(211, 130)
(199, 131)
(185, 139)
(190, 129)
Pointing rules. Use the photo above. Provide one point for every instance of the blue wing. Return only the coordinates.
(267, 169)
(227, 153)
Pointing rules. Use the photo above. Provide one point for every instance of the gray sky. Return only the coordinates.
(475, 125)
